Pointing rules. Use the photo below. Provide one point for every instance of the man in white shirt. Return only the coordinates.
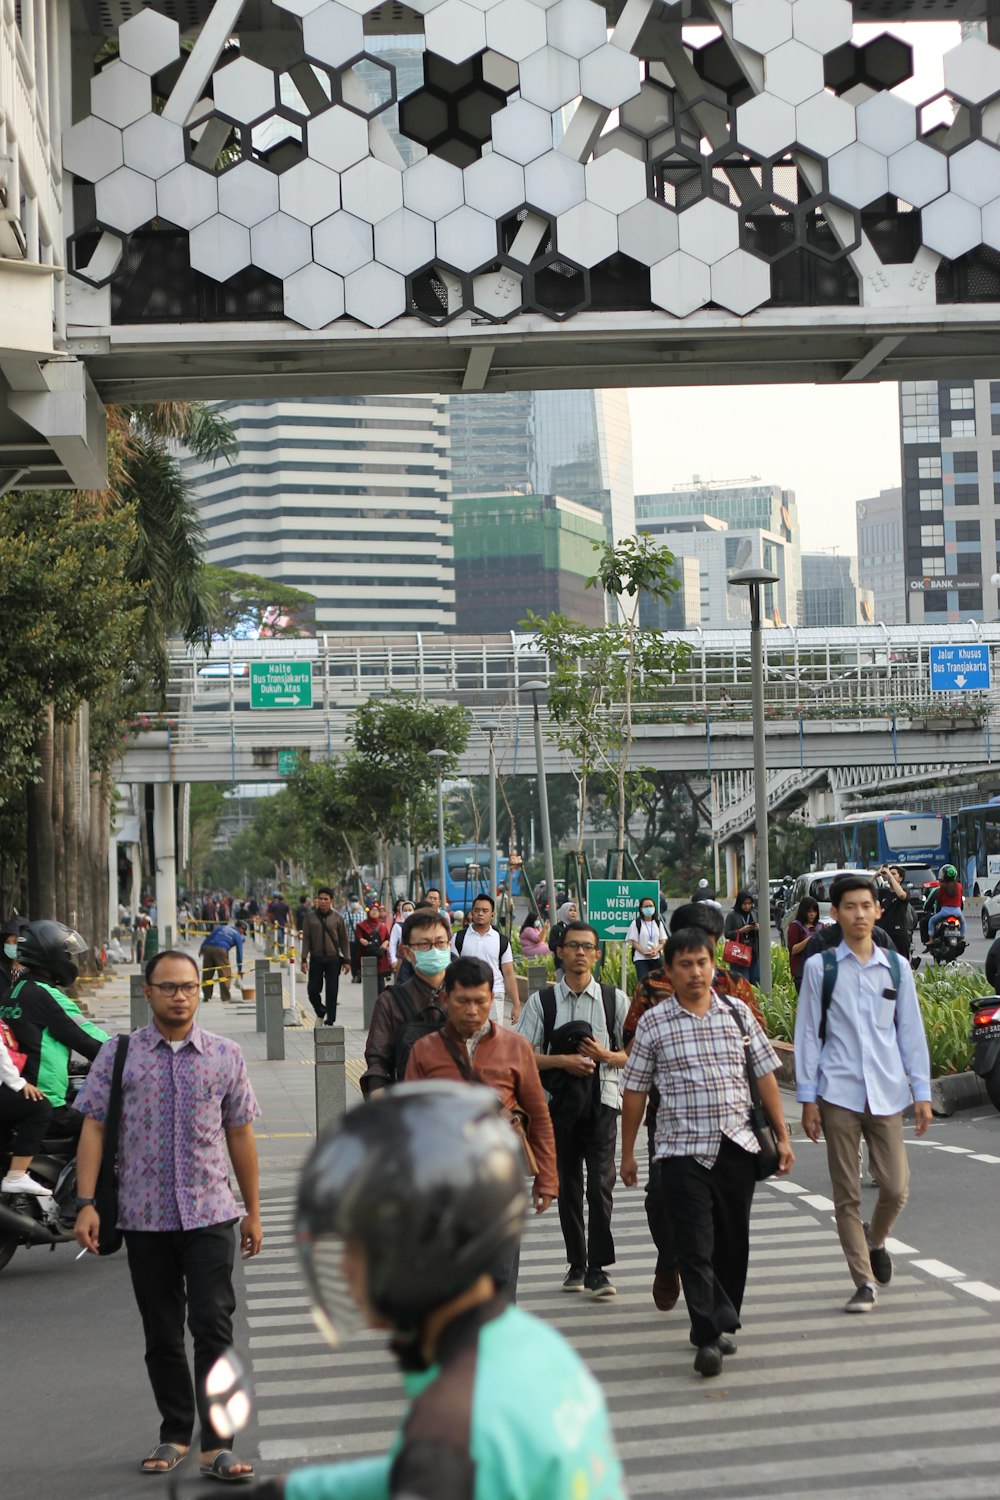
(482, 940)
(859, 1061)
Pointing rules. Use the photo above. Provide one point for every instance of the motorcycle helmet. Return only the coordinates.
(947, 872)
(426, 1180)
(53, 948)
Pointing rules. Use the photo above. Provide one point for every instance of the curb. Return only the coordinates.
(956, 1091)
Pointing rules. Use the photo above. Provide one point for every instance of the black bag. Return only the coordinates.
(767, 1159)
(106, 1191)
(416, 1024)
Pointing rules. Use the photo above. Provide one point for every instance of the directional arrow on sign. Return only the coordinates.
(961, 680)
(280, 702)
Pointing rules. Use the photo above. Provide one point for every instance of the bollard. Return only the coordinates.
(138, 1010)
(274, 1018)
(369, 989)
(261, 969)
(269, 947)
(331, 1076)
(168, 936)
(538, 978)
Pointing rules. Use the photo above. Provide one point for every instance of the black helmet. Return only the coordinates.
(427, 1179)
(50, 946)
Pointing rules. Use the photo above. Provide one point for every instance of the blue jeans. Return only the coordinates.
(945, 911)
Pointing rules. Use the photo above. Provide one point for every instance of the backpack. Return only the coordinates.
(547, 1000)
(830, 980)
(460, 938)
(415, 1025)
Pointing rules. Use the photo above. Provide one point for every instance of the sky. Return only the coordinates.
(833, 446)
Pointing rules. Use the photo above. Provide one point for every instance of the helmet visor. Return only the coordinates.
(74, 945)
(336, 1275)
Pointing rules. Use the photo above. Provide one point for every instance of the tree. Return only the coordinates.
(246, 604)
(517, 804)
(595, 673)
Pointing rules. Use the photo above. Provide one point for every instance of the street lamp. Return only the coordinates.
(438, 756)
(534, 686)
(755, 579)
(490, 729)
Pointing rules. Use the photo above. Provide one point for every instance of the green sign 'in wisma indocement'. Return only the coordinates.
(612, 905)
(281, 684)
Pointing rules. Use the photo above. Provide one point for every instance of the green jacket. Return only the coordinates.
(509, 1412)
(48, 1026)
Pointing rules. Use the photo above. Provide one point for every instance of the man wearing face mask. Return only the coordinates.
(405, 1012)
(10, 930)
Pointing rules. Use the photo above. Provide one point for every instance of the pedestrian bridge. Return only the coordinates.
(858, 698)
(245, 198)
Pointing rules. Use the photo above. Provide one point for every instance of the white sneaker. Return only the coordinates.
(24, 1184)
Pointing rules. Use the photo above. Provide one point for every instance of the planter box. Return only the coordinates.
(949, 1093)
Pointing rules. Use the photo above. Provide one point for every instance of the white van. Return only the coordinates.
(816, 884)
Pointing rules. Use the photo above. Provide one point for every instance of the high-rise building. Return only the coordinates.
(719, 549)
(572, 443)
(347, 498)
(518, 552)
(880, 554)
(830, 594)
(950, 431)
(682, 611)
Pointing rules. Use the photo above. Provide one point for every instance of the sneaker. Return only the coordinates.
(666, 1288)
(573, 1280)
(725, 1344)
(863, 1301)
(881, 1261)
(600, 1285)
(708, 1360)
(24, 1184)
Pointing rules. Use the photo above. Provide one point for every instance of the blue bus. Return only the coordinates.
(975, 847)
(865, 841)
(468, 873)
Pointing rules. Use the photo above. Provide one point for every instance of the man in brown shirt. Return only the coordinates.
(472, 1047)
(326, 954)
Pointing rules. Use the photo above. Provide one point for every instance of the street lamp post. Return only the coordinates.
(439, 756)
(755, 579)
(534, 686)
(490, 730)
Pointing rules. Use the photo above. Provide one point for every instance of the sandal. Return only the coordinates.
(168, 1455)
(222, 1467)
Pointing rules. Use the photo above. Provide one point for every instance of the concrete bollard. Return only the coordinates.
(369, 989)
(537, 978)
(274, 1018)
(138, 1010)
(168, 936)
(261, 969)
(331, 1076)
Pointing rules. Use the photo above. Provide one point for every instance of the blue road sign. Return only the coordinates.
(960, 669)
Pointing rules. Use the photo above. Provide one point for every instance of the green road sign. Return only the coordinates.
(288, 762)
(281, 684)
(612, 905)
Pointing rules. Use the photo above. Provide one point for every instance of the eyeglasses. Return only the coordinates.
(189, 989)
(579, 947)
(442, 946)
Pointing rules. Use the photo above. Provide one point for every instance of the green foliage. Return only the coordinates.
(243, 601)
(517, 804)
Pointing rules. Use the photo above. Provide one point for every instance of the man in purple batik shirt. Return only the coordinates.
(186, 1103)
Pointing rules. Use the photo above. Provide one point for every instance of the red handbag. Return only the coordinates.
(737, 953)
(7, 1037)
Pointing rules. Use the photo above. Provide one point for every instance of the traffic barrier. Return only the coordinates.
(369, 988)
(138, 1010)
(274, 1018)
(331, 1075)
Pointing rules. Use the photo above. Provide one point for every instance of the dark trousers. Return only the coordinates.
(169, 1269)
(355, 960)
(587, 1143)
(324, 971)
(661, 1228)
(709, 1208)
(27, 1118)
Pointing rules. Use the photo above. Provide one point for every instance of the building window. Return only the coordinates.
(995, 424)
(932, 567)
(962, 398)
(966, 494)
(962, 427)
(932, 536)
(970, 599)
(965, 463)
(967, 531)
(995, 390)
(929, 466)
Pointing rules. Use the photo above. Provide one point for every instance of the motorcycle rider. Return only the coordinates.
(406, 1209)
(47, 1023)
(946, 874)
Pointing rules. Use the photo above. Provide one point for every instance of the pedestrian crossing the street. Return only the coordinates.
(893, 1405)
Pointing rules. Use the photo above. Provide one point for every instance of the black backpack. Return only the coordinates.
(830, 980)
(416, 1024)
(460, 938)
(547, 1000)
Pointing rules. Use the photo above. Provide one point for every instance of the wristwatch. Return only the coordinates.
(85, 1203)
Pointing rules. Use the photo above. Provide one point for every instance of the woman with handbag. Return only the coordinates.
(742, 934)
(26, 1108)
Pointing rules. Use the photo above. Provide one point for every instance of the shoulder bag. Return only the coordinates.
(106, 1191)
(767, 1159)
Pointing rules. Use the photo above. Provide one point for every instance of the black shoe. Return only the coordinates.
(708, 1360)
(725, 1344)
(863, 1301)
(881, 1261)
(573, 1280)
(599, 1285)
(666, 1288)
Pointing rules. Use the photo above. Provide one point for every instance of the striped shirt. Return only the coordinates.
(697, 1064)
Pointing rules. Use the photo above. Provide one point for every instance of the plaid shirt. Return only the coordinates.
(697, 1064)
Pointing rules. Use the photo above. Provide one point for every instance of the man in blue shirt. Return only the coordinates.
(215, 951)
(857, 1068)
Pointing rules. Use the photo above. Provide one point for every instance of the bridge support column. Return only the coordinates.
(732, 872)
(749, 856)
(166, 858)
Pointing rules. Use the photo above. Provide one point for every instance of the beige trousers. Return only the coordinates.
(843, 1129)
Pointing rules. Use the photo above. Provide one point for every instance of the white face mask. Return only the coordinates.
(648, 911)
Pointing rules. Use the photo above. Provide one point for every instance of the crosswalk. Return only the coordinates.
(898, 1405)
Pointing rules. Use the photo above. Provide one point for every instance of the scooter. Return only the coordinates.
(947, 944)
(986, 1044)
(27, 1220)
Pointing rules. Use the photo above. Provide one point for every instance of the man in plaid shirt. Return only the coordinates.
(692, 1047)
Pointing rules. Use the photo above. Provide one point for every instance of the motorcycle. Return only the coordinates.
(27, 1220)
(947, 944)
(986, 1044)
